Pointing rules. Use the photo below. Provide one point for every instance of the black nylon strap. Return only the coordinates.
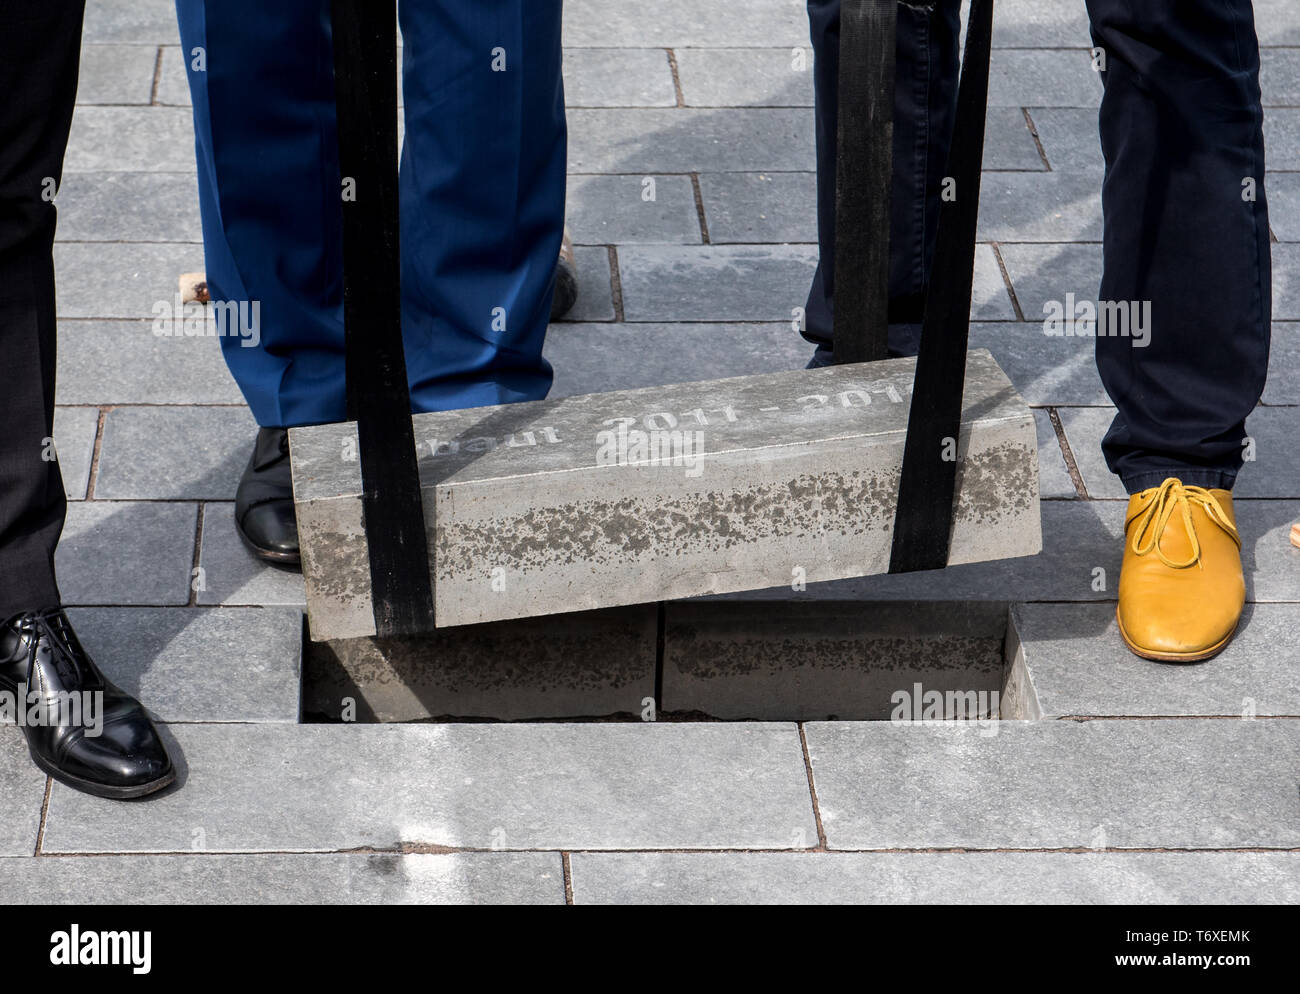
(923, 522)
(864, 167)
(379, 400)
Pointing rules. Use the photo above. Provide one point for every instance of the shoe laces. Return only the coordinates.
(70, 658)
(1170, 497)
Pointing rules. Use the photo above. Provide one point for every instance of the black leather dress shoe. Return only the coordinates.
(264, 514)
(80, 729)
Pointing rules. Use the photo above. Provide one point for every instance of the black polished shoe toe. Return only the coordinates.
(264, 514)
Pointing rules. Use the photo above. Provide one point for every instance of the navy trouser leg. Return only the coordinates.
(1181, 131)
(925, 99)
(482, 196)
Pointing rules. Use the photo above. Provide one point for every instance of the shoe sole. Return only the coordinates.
(105, 790)
(269, 555)
(1172, 657)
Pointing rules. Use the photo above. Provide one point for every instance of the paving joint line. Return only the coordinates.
(1071, 464)
(812, 792)
(615, 284)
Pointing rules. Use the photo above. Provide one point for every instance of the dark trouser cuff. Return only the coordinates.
(1192, 476)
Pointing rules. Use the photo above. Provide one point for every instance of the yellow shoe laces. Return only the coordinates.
(1170, 496)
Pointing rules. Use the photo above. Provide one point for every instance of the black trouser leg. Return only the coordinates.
(40, 44)
(1181, 128)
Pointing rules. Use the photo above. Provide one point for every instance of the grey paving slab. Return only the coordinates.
(1079, 538)
(1040, 23)
(1282, 138)
(1286, 282)
(760, 207)
(1047, 272)
(182, 662)
(1270, 469)
(595, 290)
(679, 23)
(131, 139)
(233, 575)
(115, 552)
(1040, 207)
(753, 283)
(1047, 370)
(1008, 142)
(629, 210)
(137, 22)
(129, 207)
(1052, 78)
(618, 77)
(507, 786)
(746, 77)
(75, 429)
(174, 453)
(683, 140)
(1283, 383)
(288, 879)
(116, 74)
(1270, 561)
(1279, 75)
(1284, 205)
(22, 793)
(124, 362)
(120, 280)
(935, 878)
(1070, 138)
(1178, 784)
(1084, 429)
(1053, 475)
(173, 85)
(590, 358)
(1079, 666)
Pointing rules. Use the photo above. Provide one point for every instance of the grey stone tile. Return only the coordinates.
(290, 879)
(75, 429)
(1040, 207)
(1182, 784)
(1284, 205)
(1070, 138)
(138, 22)
(746, 77)
(1270, 561)
(591, 358)
(1279, 75)
(1282, 138)
(126, 553)
(22, 793)
(595, 288)
(120, 280)
(681, 23)
(684, 140)
(1053, 475)
(1008, 142)
(129, 207)
(124, 362)
(1275, 23)
(180, 661)
(1079, 537)
(610, 210)
(990, 300)
(935, 878)
(173, 85)
(174, 453)
(1283, 384)
(1084, 429)
(1052, 78)
(1079, 666)
(1046, 370)
(1040, 23)
(116, 74)
(618, 77)
(131, 139)
(713, 282)
(232, 574)
(760, 207)
(507, 786)
(1286, 282)
(1047, 272)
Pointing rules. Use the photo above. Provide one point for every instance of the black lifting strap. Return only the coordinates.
(923, 520)
(379, 400)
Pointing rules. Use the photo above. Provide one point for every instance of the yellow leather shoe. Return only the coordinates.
(1181, 589)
